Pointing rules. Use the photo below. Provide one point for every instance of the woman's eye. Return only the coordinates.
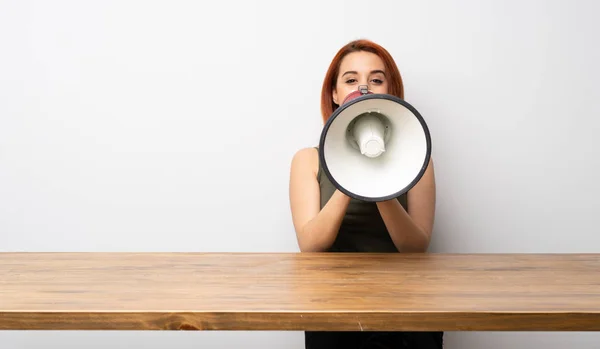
(378, 81)
(349, 81)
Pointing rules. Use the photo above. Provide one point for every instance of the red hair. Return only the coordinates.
(396, 87)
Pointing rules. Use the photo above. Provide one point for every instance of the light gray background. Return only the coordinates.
(170, 126)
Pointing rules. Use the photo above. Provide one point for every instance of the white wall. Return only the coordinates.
(169, 126)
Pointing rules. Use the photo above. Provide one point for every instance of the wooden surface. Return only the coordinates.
(293, 291)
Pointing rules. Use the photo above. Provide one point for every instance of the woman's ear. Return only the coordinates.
(334, 96)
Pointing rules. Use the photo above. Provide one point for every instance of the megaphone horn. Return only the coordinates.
(374, 147)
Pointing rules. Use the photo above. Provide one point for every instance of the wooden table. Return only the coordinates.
(299, 291)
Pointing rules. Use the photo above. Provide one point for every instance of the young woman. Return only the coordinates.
(325, 219)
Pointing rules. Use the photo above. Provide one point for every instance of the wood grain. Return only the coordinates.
(299, 291)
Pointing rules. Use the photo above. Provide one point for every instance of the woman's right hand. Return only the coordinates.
(316, 229)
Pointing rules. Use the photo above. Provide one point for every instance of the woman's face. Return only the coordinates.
(360, 68)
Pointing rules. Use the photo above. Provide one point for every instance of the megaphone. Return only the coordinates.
(374, 147)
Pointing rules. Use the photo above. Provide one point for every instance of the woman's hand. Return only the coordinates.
(316, 229)
(411, 231)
